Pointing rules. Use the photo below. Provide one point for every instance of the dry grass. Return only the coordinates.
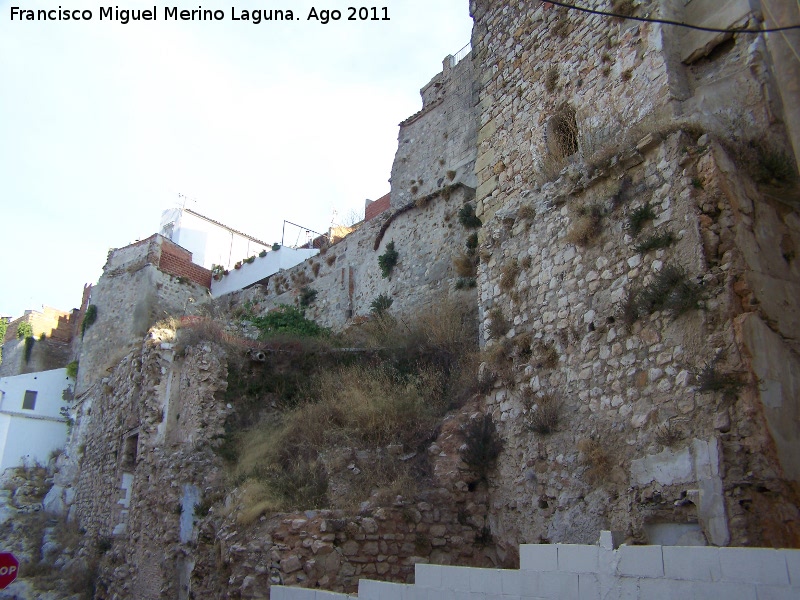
(355, 406)
(543, 414)
(466, 266)
(583, 230)
(498, 325)
(545, 355)
(508, 275)
(551, 79)
(596, 458)
(526, 212)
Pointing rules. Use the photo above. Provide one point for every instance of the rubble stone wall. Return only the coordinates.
(347, 277)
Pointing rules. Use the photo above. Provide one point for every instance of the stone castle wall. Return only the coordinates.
(436, 146)
(347, 277)
(130, 297)
(560, 261)
(581, 124)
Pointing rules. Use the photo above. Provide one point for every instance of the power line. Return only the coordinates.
(603, 13)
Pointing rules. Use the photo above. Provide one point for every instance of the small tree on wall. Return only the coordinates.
(388, 260)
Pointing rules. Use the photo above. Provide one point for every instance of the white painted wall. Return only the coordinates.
(210, 244)
(32, 434)
(274, 261)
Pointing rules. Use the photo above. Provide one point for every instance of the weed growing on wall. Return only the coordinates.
(709, 380)
(655, 241)
(508, 275)
(381, 304)
(307, 296)
(287, 320)
(466, 216)
(388, 260)
(543, 414)
(670, 290)
(639, 217)
(29, 342)
(482, 445)
(586, 226)
(89, 318)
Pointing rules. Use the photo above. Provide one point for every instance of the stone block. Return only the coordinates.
(549, 584)
(777, 592)
(692, 563)
(511, 582)
(577, 558)
(723, 591)
(379, 590)
(640, 561)
(455, 578)
(429, 576)
(793, 563)
(484, 580)
(538, 557)
(665, 589)
(279, 592)
(754, 565)
(588, 586)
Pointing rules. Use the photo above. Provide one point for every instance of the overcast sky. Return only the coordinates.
(103, 125)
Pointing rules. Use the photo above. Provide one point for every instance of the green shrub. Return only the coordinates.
(89, 318)
(639, 217)
(710, 380)
(388, 260)
(670, 290)
(307, 296)
(287, 320)
(381, 304)
(655, 241)
(466, 216)
(72, 369)
(276, 246)
(466, 283)
(482, 445)
(24, 330)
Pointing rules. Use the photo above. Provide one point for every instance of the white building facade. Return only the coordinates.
(209, 241)
(31, 422)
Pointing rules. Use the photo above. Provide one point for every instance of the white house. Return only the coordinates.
(31, 423)
(209, 241)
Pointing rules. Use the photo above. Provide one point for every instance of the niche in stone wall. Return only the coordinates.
(129, 449)
(561, 133)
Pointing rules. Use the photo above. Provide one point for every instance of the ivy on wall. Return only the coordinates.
(89, 318)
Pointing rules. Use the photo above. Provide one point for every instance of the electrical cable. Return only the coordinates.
(669, 22)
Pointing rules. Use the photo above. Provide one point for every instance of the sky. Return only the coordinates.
(104, 125)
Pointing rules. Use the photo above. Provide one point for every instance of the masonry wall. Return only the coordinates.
(436, 146)
(132, 294)
(566, 571)
(634, 414)
(347, 277)
(620, 80)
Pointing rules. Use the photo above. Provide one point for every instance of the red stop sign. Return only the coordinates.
(9, 566)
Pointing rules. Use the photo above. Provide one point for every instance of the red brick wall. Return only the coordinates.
(377, 207)
(178, 261)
